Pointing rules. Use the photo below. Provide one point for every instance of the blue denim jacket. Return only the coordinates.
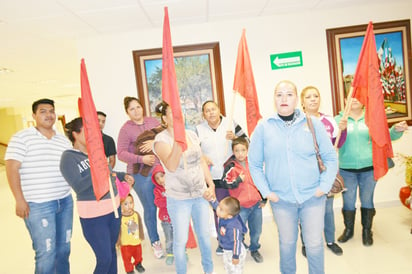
(282, 159)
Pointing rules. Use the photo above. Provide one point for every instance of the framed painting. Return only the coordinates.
(199, 78)
(393, 45)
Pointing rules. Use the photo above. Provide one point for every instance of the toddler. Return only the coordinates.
(131, 235)
(231, 230)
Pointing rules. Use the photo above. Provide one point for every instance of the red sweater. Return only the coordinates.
(245, 191)
(160, 196)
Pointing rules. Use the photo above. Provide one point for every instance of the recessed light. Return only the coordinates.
(5, 70)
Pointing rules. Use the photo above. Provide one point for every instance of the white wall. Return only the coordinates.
(111, 71)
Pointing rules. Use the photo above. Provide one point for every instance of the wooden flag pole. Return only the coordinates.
(345, 115)
(113, 198)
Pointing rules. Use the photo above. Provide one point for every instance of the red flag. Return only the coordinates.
(367, 88)
(170, 93)
(245, 84)
(95, 149)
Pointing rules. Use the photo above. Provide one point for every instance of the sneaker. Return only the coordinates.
(256, 256)
(169, 259)
(304, 251)
(157, 250)
(337, 250)
(219, 251)
(139, 267)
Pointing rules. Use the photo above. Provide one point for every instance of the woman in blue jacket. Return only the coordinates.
(283, 165)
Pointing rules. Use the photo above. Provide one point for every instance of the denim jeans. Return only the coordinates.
(329, 230)
(252, 216)
(310, 215)
(366, 183)
(102, 234)
(50, 226)
(168, 231)
(180, 212)
(144, 189)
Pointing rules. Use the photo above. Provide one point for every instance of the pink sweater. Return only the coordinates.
(127, 138)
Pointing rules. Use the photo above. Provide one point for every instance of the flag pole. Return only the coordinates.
(345, 115)
(112, 197)
(230, 117)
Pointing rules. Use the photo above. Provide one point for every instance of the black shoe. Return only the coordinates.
(139, 267)
(256, 256)
(219, 251)
(337, 250)
(304, 251)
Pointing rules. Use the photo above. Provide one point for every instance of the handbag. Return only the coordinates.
(338, 185)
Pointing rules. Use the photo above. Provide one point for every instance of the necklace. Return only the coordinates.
(291, 122)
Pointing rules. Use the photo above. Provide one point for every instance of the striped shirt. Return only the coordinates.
(40, 176)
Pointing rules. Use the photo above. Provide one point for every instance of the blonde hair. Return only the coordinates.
(303, 93)
(288, 83)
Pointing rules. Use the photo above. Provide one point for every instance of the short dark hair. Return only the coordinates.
(74, 125)
(207, 102)
(101, 113)
(240, 141)
(36, 104)
(127, 100)
(232, 204)
(124, 198)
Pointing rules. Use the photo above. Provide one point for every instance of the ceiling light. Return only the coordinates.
(5, 70)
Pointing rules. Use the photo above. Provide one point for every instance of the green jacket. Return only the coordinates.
(356, 152)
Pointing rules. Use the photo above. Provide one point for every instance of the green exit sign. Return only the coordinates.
(286, 60)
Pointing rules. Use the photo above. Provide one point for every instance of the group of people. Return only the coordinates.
(220, 168)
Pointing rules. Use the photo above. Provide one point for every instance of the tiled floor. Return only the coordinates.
(391, 252)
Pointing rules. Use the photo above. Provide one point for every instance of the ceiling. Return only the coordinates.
(38, 56)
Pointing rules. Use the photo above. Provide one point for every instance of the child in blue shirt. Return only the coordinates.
(231, 230)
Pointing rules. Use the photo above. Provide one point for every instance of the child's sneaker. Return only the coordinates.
(219, 251)
(157, 249)
(169, 259)
(139, 267)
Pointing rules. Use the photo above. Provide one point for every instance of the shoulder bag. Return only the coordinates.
(339, 184)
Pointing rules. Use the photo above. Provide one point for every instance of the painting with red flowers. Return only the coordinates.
(393, 45)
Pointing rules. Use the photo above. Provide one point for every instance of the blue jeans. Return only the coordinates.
(144, 189)
(168, 231)
(366, 183)
(102, 234)
(329, 230)
(180, 212)
(310, 214)
(50, 226)
(252, 216)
